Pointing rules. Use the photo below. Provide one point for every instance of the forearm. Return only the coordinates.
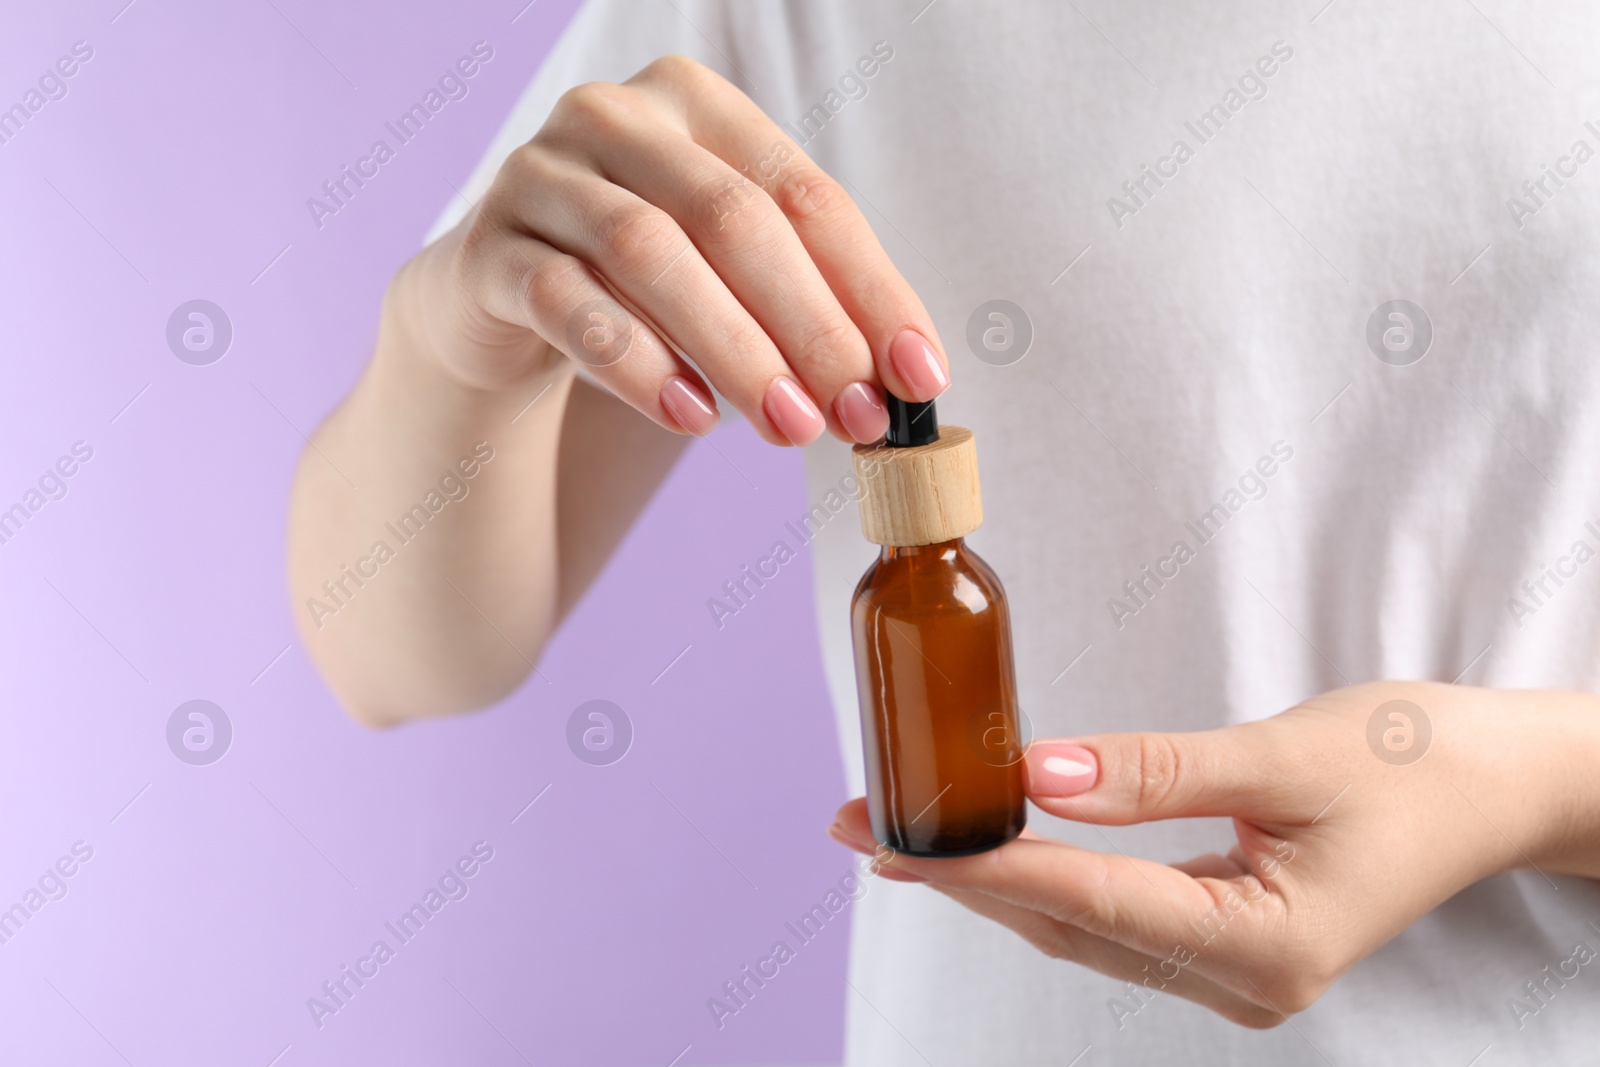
(1516, 774)
(423, 549)
(774, 294)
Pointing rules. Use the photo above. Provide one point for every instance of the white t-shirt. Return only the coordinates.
(1200, 209)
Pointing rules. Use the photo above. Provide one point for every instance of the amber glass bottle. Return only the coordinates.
(934, 671)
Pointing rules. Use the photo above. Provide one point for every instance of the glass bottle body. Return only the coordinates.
(937, 688)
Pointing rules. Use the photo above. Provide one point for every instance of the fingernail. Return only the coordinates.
(691, 408)
(915, 361)
(1059, 770)
(861, 412)
(792, 412)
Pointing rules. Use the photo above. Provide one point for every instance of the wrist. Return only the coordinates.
(1565, 781)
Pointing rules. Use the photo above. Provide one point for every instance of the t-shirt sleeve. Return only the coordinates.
(607, 40)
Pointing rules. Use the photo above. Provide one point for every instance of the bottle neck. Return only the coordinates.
(921, 553)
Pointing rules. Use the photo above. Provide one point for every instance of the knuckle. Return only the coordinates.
(676, 69)
(806, 194)
(525, 161)
(478, 258)
(556, 284)
(744, 336)
(596, 107)
(827, 346)
(528, 166)
(1158, 771)
(728, 209)
(525, 168)
(475, 246)
(637, 235)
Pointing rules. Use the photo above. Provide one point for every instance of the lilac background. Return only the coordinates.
(222, 897)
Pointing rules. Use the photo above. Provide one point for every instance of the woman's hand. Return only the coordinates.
(664, 233)
(724, 242)
(1357, 812)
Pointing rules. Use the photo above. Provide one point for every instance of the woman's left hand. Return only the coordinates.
(1357, 812)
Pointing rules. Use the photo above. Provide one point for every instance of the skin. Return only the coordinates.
(741, 265)
(1337, 850)
(728, 246)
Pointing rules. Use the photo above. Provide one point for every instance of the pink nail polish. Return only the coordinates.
(1061, 770)
(688, 406)
(793, 412)
(861, 412)
(915, 361)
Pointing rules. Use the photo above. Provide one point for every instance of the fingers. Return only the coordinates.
(1141, 905)
(1220, 929)
(1127, 778)
(905, 347)
(711, 227)
(1149, 974)
(756, 254)
(721, 239)
(647, 258)
(522, 280)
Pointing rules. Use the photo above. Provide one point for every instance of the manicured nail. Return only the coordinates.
(861, 412)
(915, 361)
(1060, 770)
(691, 408)
(792, 412)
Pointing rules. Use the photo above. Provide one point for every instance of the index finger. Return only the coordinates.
(906, 350)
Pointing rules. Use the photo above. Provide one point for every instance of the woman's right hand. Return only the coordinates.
(726, 244)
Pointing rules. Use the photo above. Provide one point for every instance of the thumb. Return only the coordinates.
(1127, 778)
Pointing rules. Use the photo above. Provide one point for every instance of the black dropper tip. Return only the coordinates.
(910, 423)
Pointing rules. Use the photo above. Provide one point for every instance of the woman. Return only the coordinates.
(1273, 327)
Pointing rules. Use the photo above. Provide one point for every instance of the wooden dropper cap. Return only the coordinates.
(920, 486)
